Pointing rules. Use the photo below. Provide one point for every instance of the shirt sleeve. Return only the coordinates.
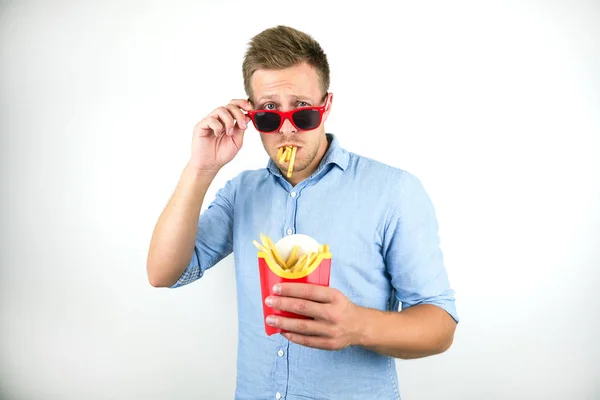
(214, 237)
(412, 251)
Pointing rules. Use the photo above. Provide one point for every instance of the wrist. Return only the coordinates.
(376, 327)
(364, 323)
(200, 173)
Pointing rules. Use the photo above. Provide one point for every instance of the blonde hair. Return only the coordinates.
(282, 47)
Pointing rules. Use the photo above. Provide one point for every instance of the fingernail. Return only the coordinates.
(229, 131)
(277, 289)
(269, 301)
(271, 320)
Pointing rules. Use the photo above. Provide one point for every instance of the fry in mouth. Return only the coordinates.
(287, 154)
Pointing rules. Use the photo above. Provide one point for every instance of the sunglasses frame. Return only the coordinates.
(283, 115)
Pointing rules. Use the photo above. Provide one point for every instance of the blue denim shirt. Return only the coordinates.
(383, 234)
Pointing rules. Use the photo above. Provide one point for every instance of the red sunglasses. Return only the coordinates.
(303, 119)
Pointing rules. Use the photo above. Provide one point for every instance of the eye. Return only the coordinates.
(302, 104)
(268, 106)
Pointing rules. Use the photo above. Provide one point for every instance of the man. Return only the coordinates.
(377, 220)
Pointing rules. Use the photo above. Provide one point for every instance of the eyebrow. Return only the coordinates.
(274, 97)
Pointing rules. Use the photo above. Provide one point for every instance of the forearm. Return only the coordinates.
(174, 236)
(415, 332)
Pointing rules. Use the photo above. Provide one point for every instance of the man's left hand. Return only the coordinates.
(336, 322)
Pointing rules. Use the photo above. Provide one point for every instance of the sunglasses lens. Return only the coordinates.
(266, 121)
(307, 119)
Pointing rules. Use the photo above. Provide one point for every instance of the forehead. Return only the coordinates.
(298, 81)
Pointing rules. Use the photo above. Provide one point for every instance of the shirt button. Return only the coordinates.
(289, 231)
(293, 194)
(280, 353)
(278, 395)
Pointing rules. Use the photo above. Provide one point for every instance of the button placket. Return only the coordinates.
(281, 368)
(292, 204)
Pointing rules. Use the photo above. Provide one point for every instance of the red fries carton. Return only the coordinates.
(295, 258)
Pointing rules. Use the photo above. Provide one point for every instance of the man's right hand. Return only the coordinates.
(218, 137)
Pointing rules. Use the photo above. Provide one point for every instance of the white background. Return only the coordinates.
(493, 105)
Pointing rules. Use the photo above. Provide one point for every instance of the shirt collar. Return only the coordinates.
(335, 154)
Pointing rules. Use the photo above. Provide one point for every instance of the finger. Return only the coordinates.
(308, 291)
(208, 126)
(217, 127)
(238, 138)
(316, 342)
(298, 306)
(225, 117)
(238, 115)
(298, 325)
(243, 104)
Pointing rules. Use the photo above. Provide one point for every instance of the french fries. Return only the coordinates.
(287, 154)
(296, 263)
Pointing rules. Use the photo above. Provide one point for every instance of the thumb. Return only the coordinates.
(238, 137)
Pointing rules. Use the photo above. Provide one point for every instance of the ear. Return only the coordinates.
(328, 102)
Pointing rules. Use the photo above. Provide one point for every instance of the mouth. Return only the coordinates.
(287, 154)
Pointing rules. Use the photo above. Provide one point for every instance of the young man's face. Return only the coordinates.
(285, 90)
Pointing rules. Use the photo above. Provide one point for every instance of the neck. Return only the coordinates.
(299, 176)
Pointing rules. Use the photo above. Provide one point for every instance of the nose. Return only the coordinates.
(287, 127)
